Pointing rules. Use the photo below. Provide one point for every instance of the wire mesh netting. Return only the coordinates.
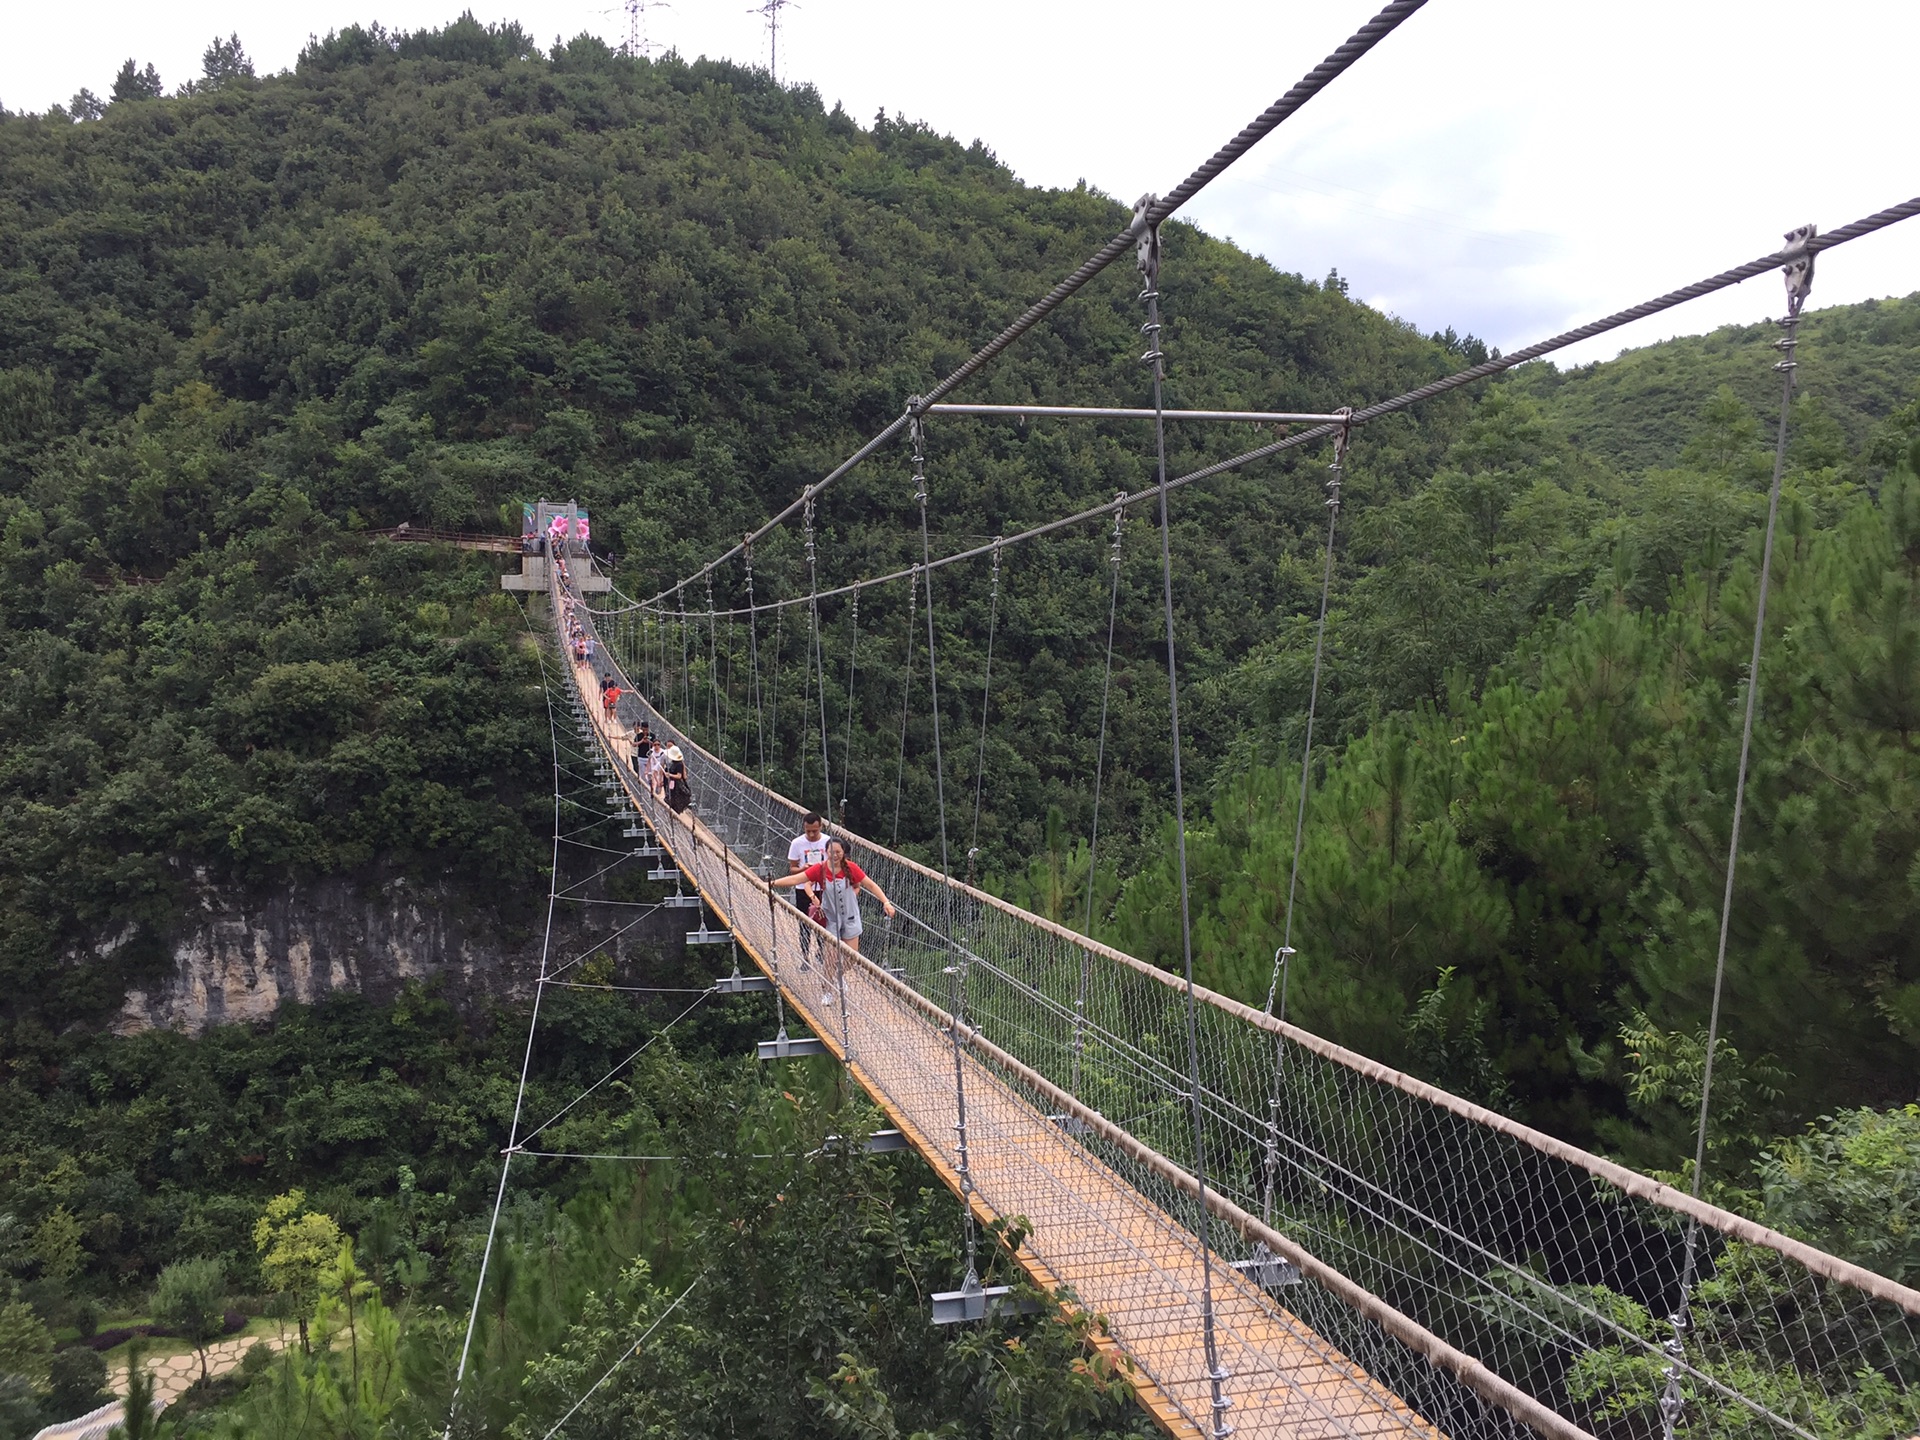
(1386, 1258)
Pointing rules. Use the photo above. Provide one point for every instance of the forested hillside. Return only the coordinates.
(425, 277)
(422, 279)
(1639, 411)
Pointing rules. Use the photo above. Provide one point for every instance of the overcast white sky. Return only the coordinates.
(1507, 167)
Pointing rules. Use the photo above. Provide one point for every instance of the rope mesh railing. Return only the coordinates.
(1440, 1267)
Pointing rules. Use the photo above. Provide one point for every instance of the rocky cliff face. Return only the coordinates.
(238, 958)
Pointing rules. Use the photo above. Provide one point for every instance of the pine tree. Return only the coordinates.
(224, 61)
(133, 83)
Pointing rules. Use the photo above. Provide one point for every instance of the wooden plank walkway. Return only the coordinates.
(1122, 1256)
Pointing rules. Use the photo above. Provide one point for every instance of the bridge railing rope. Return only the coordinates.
(1553, 1268)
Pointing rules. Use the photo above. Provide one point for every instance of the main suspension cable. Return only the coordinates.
(1868, 225)
(1255, 130)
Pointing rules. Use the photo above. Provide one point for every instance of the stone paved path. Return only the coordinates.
(172, 1374)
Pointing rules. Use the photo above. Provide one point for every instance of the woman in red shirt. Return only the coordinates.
(838, 882)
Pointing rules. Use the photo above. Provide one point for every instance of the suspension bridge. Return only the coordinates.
(1280, 1237)
(1382, 1257)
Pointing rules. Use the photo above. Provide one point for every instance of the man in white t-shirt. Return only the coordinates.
(808, 848)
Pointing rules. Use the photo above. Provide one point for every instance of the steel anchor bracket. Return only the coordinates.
(782, 1047)
(1266, 1269)
(974, 1301)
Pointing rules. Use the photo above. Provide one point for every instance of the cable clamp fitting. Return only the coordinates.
(1798, 254)
(917, 437)
(1146, 241)
(1342, 439)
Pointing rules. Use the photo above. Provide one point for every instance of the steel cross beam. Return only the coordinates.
(1116, 412)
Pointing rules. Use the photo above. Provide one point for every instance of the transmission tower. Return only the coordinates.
(637, 42)
(771, 12)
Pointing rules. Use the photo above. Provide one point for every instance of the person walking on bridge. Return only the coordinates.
(809, 848)
(838, 882)
(679, 794)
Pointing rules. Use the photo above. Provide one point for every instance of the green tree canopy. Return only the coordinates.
(191, 1298)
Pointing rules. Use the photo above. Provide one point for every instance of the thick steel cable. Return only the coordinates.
(933, 668)
(1251, 134)
(1906, 210)
(1759, 266)
(526, 1060)
(1672, 1401)
(1149, 250)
